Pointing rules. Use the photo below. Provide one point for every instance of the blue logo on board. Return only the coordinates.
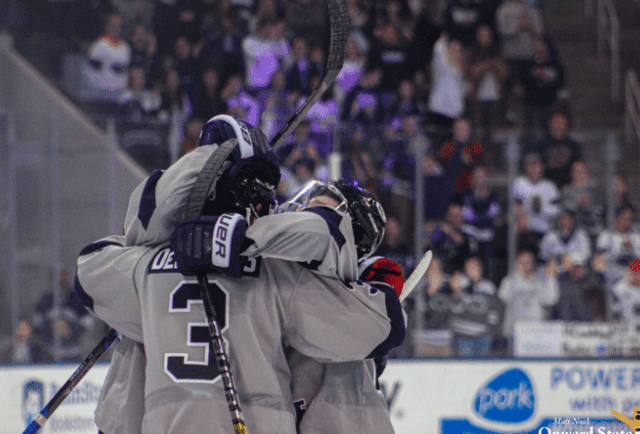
(506, 398)
(32, 400)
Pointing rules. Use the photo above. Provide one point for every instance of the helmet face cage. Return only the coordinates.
(368, 217)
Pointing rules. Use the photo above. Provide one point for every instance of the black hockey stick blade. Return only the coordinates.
(71, 383)
(339, 21)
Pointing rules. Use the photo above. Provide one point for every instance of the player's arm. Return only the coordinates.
(105, 282)
(320, 238)
(334, 322)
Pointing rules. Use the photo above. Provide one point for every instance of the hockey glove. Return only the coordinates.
(210, 244)
(383, 270)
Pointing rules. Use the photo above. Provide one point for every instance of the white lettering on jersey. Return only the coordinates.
(163, 261)
(222, 238)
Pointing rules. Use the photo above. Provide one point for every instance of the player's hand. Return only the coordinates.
(210, 244)
(383, 270)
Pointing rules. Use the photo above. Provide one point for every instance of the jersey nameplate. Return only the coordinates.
(163, 262)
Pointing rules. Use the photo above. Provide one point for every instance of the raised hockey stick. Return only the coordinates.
(339, 20)
(72, 382)
(417, 274)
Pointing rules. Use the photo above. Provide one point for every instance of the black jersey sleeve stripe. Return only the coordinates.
(85, 298)
(333, 220)
(148, 199)
(94, 247)
(398, 326)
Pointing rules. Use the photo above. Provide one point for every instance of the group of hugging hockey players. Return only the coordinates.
(307, 313)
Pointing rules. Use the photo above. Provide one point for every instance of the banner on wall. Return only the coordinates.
(511, 396)
(27, 389)
(576, 339)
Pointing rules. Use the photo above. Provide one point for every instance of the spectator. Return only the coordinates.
(617, 249)
(621, 191)
(264, 53)
(404, 103)
(390, 55)
(542, 80)
(394, 246)
(518, 26)
(144, 54)
(269, 10)
(481, 210)
(581, 292)
(425, 35)
(324, 115)
(238, 99)
(300, 72)
(191, 135)
(558, 150)
(139, 100)
(223, 50)
(363, 165)
(449, 85)
(109, 57)
(27, 349)
(566, 243)
(487, 72)
(309, 18)
(174, 18)
(449, 243)
(474, 328)
(461, 19)
(276, 105)
(353, 68)
(580, 197)
(363, 105)
(537, 195)
(176, 104)
(184, 60)
(70, 321)
(206, 99)
(527, 292)
(471, 155)
(625, 298)
(134, 13)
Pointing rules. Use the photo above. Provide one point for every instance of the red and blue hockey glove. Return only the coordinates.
(210, 244)
(383, 270)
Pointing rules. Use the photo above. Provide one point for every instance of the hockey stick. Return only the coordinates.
(339, 20)
(72, 382)
(210, 173)
(417, 274)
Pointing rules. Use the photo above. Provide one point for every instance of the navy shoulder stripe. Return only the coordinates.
(85, 298)
(148, 199)
(398, 326)
(94, 247)
(333, 219)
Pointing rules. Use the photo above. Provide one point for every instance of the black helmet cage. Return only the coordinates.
(367, 215)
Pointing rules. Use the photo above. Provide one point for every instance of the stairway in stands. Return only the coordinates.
(589, 78)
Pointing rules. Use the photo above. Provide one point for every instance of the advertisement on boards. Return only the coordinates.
(27, 389)
(513, 396)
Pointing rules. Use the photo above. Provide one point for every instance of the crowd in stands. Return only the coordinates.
(437, 77)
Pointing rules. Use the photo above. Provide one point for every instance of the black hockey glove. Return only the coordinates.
(210, 244)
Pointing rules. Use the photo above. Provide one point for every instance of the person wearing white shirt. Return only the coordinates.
(566, 242)
(539, 196)
(263, 53)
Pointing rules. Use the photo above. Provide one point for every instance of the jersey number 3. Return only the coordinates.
(179, 366)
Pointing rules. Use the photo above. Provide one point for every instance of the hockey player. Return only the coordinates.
(287, 301)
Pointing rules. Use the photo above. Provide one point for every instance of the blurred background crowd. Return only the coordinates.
(426, 89)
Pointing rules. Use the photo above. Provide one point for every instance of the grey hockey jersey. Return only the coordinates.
(314, 312)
